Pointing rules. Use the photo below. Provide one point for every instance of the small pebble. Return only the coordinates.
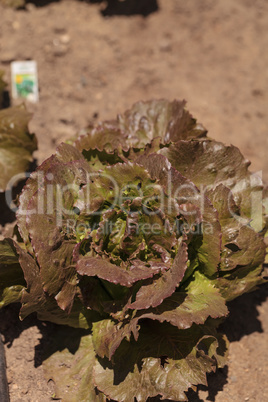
(16, 25)
(165, 46)
(59, 29)
(60, 50)
(65, 39)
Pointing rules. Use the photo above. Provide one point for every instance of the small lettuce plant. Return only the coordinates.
(17, 145)
(139, 232)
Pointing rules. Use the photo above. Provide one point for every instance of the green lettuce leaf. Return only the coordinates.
(12, 280)
(240, 281)
(13, 3)
(16, 143)
(71, 368)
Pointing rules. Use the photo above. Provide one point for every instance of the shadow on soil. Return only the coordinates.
(41, 3)
(242, 320)
(6, 215)
(6, 100)
(130, 7)
(243, 317)
(216, 382)
(111, 8)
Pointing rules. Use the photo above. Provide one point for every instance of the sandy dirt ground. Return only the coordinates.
(95, 61)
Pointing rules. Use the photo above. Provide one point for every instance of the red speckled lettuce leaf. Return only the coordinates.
(45, 206)
(208, 163)
(159, 118)
(185, 191)
(241, 245)
(20, 281)
(153, 294)
(138, 369)
(103, 269)
(138, 126)
(181, 360)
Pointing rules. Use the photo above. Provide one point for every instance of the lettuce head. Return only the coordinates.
(138, 231)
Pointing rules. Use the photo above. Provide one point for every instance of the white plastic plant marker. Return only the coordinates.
(24, 80)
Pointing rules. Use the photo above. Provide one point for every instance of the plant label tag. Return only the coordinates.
(24, 80)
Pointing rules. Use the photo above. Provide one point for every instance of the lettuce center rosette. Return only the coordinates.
(138, 232)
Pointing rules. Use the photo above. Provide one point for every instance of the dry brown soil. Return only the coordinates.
(94, 62)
